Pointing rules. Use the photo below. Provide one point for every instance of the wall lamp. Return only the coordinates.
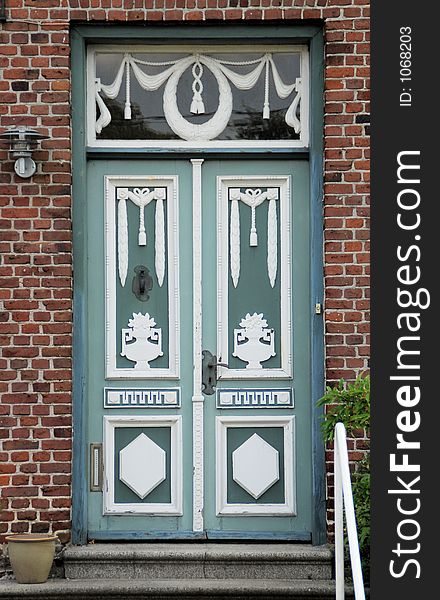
(22, 142)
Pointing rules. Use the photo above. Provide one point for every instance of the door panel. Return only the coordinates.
(259, 417)
(254, 256)
(142, 249)
(178, 463)
(141, 413)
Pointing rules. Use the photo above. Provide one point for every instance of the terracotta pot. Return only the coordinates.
(31, 556)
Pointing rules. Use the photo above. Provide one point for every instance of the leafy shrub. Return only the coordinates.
(349, 403)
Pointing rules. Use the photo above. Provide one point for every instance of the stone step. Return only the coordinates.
(199, 561)
(162, 589)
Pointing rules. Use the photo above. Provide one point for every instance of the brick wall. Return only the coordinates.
(35, 225)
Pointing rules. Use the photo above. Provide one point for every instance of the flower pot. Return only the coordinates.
(31, 556)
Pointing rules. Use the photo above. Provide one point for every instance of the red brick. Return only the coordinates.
(37, 339)
(11, 492)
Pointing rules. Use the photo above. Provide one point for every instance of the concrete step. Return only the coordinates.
(163, 589)
(199, 561)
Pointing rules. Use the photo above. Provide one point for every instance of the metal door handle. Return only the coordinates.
(142, 283)
(209, 372)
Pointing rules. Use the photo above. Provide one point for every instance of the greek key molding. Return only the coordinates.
(255, 398)
(141, 398)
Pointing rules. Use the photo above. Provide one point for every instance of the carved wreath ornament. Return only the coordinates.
(170, 76)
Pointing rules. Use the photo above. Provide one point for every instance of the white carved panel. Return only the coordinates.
(254, 339)
(142, 465)
(141, 339)
(254, 342)
(145, 397)
(153, 75)
(255, 466)
(255, 398)
(253, 197)
(141, 197)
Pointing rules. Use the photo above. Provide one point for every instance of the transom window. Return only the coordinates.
(218, 96)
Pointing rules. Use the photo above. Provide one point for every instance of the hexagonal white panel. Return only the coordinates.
(255, 466)
(142, 465)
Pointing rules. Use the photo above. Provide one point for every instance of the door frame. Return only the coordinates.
(80, 37)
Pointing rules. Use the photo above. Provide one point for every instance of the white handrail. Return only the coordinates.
(344, 499)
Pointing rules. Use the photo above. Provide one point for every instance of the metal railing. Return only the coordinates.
(344, 499)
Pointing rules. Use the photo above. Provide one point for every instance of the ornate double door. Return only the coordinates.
(198, 349)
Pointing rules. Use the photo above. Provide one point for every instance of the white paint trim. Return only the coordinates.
(285, 267)
(175, 507)
(232, 48)
(111, 182)
(188, 145)
(221, 460)
(197, 397)
(305, 98)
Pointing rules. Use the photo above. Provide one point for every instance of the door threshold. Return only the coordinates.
(294, 536)
(147, 536)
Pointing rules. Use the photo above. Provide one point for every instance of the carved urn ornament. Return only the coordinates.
(254, 343)
(141, 341)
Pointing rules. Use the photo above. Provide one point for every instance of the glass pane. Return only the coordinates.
(198, 87)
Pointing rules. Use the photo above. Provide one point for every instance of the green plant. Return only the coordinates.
(349, 403)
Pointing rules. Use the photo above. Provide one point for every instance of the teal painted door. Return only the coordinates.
(198, 349)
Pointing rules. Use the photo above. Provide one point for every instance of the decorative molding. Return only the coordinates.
(255, 466)
(272, 237)
(141, 197)
(288, 507)
(254, 342)
(141, 341)
(217, 123)
(159, 240)
(197, 396)
(253, 197)
(174, 507)
(122, 239)
(198, 466)
(234, 237)
(226, 75)
(277, 190)
(141, 398)
(118, 189)
(255, 398)
(142, 465)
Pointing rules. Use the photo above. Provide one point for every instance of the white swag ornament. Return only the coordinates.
(253, 197)
(173, 70)
(141, 197)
